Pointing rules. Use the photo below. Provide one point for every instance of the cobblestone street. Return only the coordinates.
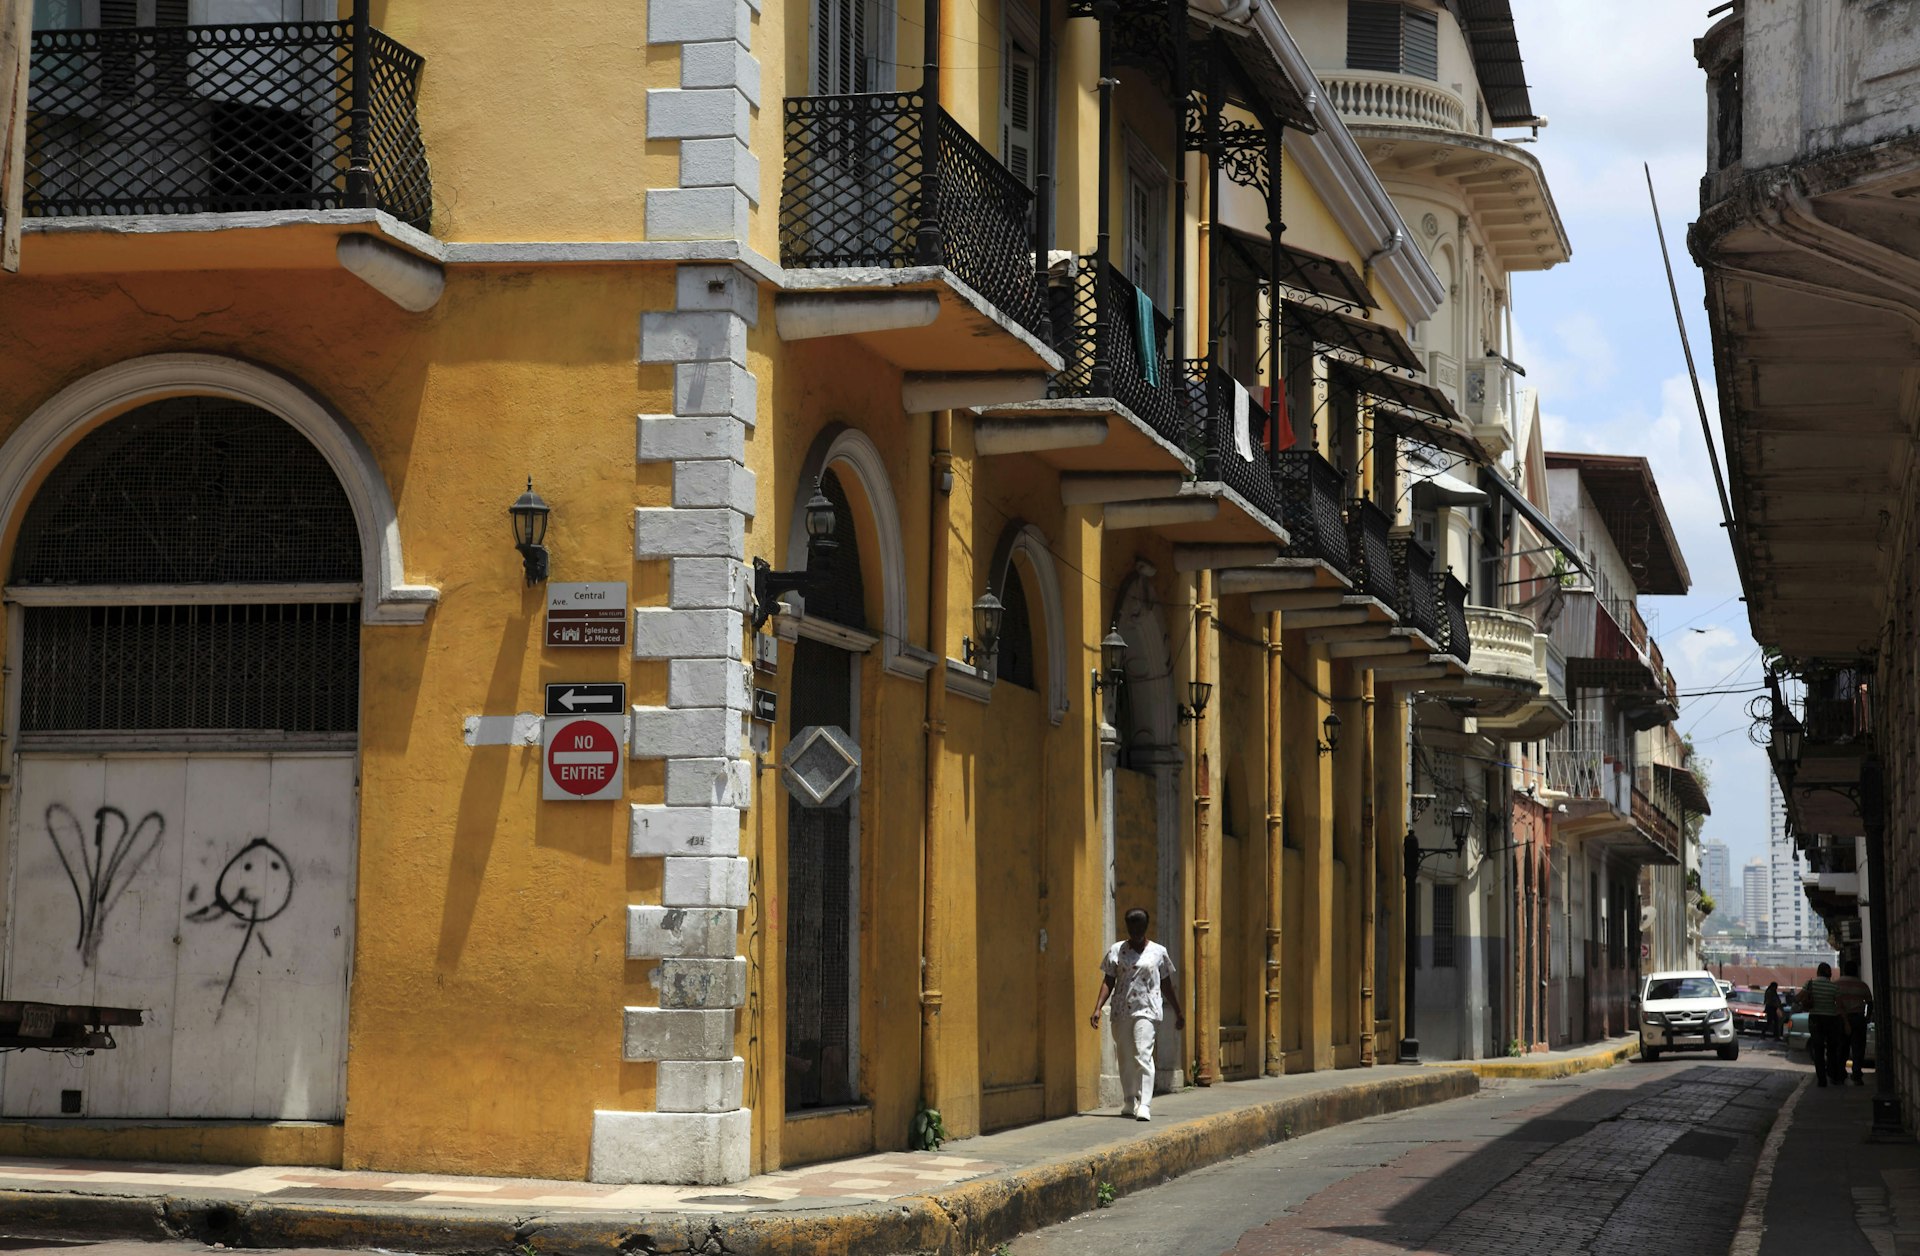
(1640, 1159)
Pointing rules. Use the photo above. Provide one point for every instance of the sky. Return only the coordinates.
(1597, 337)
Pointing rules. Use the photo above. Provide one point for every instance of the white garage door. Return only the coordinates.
(213, 892)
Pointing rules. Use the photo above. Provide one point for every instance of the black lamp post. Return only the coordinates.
(1460, 819)
(982, 649)
(530, 514)
(1199, 692)
(1112, 672)
(769, 584)
(1331, 726)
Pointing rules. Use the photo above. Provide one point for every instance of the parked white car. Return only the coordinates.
(1685, 1011)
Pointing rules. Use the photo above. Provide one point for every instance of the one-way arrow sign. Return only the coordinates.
(583, 698)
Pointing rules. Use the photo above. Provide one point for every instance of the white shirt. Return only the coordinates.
(1136, 978)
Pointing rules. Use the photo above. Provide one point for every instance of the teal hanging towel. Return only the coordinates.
(1144, 317)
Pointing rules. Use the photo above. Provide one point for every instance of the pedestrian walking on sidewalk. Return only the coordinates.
(1826, 1027)
(1773, 1010)
(1856, 1004)
(1137, 977)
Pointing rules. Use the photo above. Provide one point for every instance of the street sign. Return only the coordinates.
(587, 614)
(586, 698)
(584, 759)
(766, 705)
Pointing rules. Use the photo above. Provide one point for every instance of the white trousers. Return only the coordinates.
(1133, 1040)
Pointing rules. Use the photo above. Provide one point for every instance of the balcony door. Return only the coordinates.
(116, 14)
(852, 46)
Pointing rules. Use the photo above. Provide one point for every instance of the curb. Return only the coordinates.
(1546, 1069)
(970, 1217)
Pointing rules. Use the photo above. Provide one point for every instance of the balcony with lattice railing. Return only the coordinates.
(1311, 492)
(1109, 350)
(1370, 546)
(1233, 443)
(867, 186)
(1417, 589)
(224, 119)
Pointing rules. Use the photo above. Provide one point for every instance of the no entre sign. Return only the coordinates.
(583, 743)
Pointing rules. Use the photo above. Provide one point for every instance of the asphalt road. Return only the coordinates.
(1640, 1160)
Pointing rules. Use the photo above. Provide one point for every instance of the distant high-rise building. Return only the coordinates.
(1756, 901)
(1714, 868)
(1789, 916)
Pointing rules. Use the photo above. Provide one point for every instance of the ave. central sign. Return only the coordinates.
(586, 614)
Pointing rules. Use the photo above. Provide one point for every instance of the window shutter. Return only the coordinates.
(1444, 906)
(1421, 44)
(119, 13)
(1373, 35)
(1017, 101)
(169, 12)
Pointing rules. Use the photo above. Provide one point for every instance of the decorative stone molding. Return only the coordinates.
(386, 597)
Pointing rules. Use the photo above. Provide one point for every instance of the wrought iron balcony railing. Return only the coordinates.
(856, 193)
(1310, 492)
(1158, 397)
(1372, 552)
(224, 119)
(1234, 451)
(1418, 598)
(1456, 637)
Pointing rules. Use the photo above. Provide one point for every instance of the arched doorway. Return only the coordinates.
(183, 620)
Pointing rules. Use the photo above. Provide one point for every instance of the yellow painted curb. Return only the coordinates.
(1590, 1062)
(969, 1217)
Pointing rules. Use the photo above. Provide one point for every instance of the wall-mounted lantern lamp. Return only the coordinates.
(530, 515)
(1789, 735)
(1331, 726)
(980, 650)
(1460, 819)
(769, 584)
(1112, 672)
(1198, 693)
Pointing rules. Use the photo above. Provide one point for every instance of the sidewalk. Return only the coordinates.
(969, 1196)
(1831, 1191)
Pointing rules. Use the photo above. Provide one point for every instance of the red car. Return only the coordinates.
(1749, 1011)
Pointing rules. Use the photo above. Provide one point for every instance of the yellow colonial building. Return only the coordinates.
(995, 476)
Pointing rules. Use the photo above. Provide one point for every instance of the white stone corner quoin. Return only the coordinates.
(386, 597)
(711, 115)
(701, 1129)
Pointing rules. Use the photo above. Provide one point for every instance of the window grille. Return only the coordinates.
(836, 590)
(193, 490)
(820, 1051)
(1444, 905)
(280, 668)
(1015, 662)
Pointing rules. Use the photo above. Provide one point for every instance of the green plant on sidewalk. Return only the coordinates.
(927, 1131)
(1003, 1249)
(1515, 1050)
(1103, 1195)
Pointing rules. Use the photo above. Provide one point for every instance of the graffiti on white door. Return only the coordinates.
(215, 892)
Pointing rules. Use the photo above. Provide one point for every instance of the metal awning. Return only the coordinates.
(1255, 79)
(1356, 335)
(1536, 517)
(1686, 787)
(1301, 271)
(1441, 489)
(1433, 431)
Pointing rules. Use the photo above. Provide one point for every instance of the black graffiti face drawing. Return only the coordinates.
(254, 888)
(101, 867)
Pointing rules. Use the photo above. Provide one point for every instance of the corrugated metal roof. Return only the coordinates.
(1496, 58)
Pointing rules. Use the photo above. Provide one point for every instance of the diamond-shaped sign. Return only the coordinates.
(820, 766)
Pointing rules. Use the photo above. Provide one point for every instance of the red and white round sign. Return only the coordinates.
(583, 757)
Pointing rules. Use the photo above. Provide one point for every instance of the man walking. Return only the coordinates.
(1826, 1027)
(1137, 976)
(1856, 1004)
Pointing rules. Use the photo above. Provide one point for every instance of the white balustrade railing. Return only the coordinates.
(1502, 643)
(1394, 100)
